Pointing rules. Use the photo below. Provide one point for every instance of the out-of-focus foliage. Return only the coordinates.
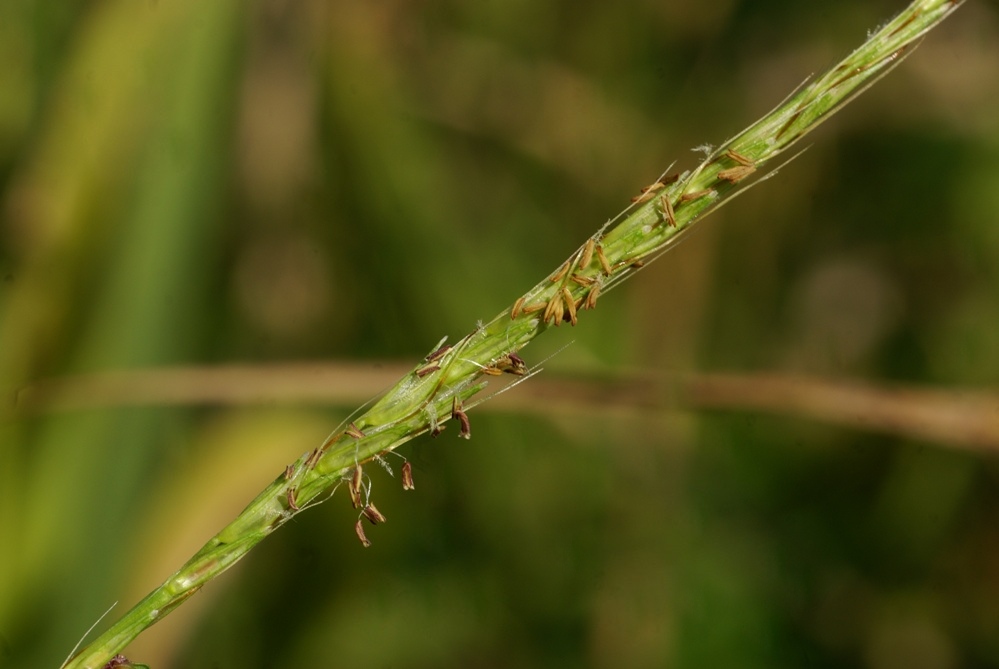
(187, 183)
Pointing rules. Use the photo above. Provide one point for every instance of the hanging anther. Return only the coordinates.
(359, 530)
(591, 297)
(354, 487)
(353, 431)
(462, 418)
(373, 515)
(407, 476)
(554, 310)
(570, 305)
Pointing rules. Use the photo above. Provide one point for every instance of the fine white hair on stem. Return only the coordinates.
(85, 634)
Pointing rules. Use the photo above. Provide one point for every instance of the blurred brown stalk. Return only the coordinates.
(957, 418)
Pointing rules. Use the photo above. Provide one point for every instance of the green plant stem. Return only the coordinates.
(427, 396)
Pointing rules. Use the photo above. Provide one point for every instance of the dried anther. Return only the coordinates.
(407, 476)
(289, 471)
(603, 261)
(534, 308)
(359, 530)
(355, 487)
(591, 297)
(461, 417)
(554, 310)
(696, 195)
(353, 431)
(466, 428)
(313, 459)
(570, 305)
(587, 255)
(292, 501)
(737, 173)
(517, 306)
(667, 209)
(511, 363)
(560, 274)
(647, 192)
(739, 158)
(439, 353)
(519, 367)
(581, 280)
(373, 515)
(429, 369)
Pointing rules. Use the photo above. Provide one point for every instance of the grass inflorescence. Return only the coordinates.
(446, 384)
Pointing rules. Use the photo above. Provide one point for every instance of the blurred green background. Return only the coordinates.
(199, 184)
